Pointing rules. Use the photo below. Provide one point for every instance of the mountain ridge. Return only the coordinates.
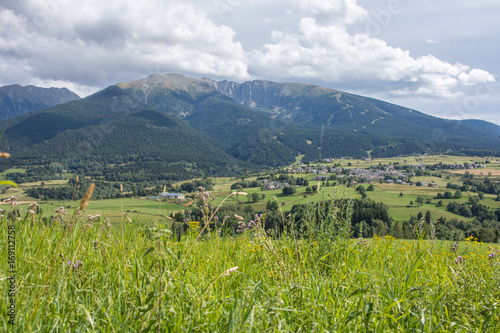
(16, 100)
(174, 127)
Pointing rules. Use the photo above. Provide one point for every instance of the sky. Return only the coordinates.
(438, 57)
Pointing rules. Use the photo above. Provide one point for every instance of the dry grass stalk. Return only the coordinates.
(4, 155)
(85, 200)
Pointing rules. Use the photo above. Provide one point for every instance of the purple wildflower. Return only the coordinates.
(458, 259)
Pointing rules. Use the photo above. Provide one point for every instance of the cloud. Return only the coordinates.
(325, 50)
(474, 77)
(431, 41)
(96, 43)
(91, 44)
(333, 11)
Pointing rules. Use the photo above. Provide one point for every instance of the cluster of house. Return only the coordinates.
(375, 176)
(166, 195)
(319, 170)
(464, 166)
(271, 185)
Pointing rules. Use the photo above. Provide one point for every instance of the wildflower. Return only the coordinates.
(250, 225)
(241, 227)
(454, 247)
(34, 206)
(60, 211)
(458, 259)
(75, 265)
(492, 255)
(362, 242)
(194, 224)
(93, 218)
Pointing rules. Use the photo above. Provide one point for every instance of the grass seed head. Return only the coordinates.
(85, 200)
(229, 271)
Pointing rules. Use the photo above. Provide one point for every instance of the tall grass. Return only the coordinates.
(81, 275)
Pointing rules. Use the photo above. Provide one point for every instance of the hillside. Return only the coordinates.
(110, 128)
(16, 100)
(312, 120)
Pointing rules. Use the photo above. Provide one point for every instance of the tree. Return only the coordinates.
(308, 189)
(458, 194)
(315, 188)
(397, 231)
(370, 188)
(361, 189)
(255, 197)
(401, 194)
(447, 195)
(289, 190)
(428, 217)
(480, 195)
(420, 200)
(272, 205)
(411, 203)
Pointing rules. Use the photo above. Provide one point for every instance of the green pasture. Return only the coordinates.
(94, 278)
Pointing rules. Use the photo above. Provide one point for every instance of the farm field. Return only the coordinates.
(400, 209)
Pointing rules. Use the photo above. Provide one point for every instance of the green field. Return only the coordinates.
(399, 207)
(79, 276)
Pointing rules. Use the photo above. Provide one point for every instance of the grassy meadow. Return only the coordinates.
(79, 274)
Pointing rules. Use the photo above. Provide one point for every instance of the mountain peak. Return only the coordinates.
(170, 81)
(17, 100)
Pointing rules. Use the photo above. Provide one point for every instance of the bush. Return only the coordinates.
(288, 190)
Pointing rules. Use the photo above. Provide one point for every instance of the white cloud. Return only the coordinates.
(474, 77)
(334, 11)
(96, 43)
(328, 52)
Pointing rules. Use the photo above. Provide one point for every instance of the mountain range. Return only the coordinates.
(171, 125)
(16, 100)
